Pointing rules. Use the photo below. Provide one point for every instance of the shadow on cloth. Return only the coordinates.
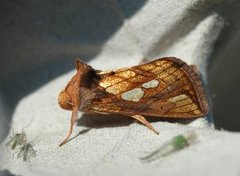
(116, 120)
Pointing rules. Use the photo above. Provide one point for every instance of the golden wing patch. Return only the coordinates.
(166, 87)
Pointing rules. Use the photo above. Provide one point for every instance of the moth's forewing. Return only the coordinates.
(166, 87)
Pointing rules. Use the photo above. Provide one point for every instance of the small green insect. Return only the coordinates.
(26, 151)
(16, 139)
(175, 144)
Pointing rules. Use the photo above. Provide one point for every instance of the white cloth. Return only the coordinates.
(113, 145)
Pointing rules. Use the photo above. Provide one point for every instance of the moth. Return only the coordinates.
(166, 87)
(26, 151)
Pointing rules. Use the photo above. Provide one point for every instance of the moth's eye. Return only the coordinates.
(64, 100)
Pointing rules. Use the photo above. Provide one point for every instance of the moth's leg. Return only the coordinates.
(144, 122)
(73, 120)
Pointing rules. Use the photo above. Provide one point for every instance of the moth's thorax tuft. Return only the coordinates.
(64, 100)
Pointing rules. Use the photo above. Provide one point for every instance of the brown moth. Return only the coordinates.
(166, 87)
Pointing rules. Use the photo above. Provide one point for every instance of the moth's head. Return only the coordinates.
(64, 100)
(70, 96)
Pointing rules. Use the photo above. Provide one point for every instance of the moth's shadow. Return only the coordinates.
(115, 120)
(102, 121)
(91, 121)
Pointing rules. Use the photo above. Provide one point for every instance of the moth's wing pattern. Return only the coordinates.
(166, 87)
